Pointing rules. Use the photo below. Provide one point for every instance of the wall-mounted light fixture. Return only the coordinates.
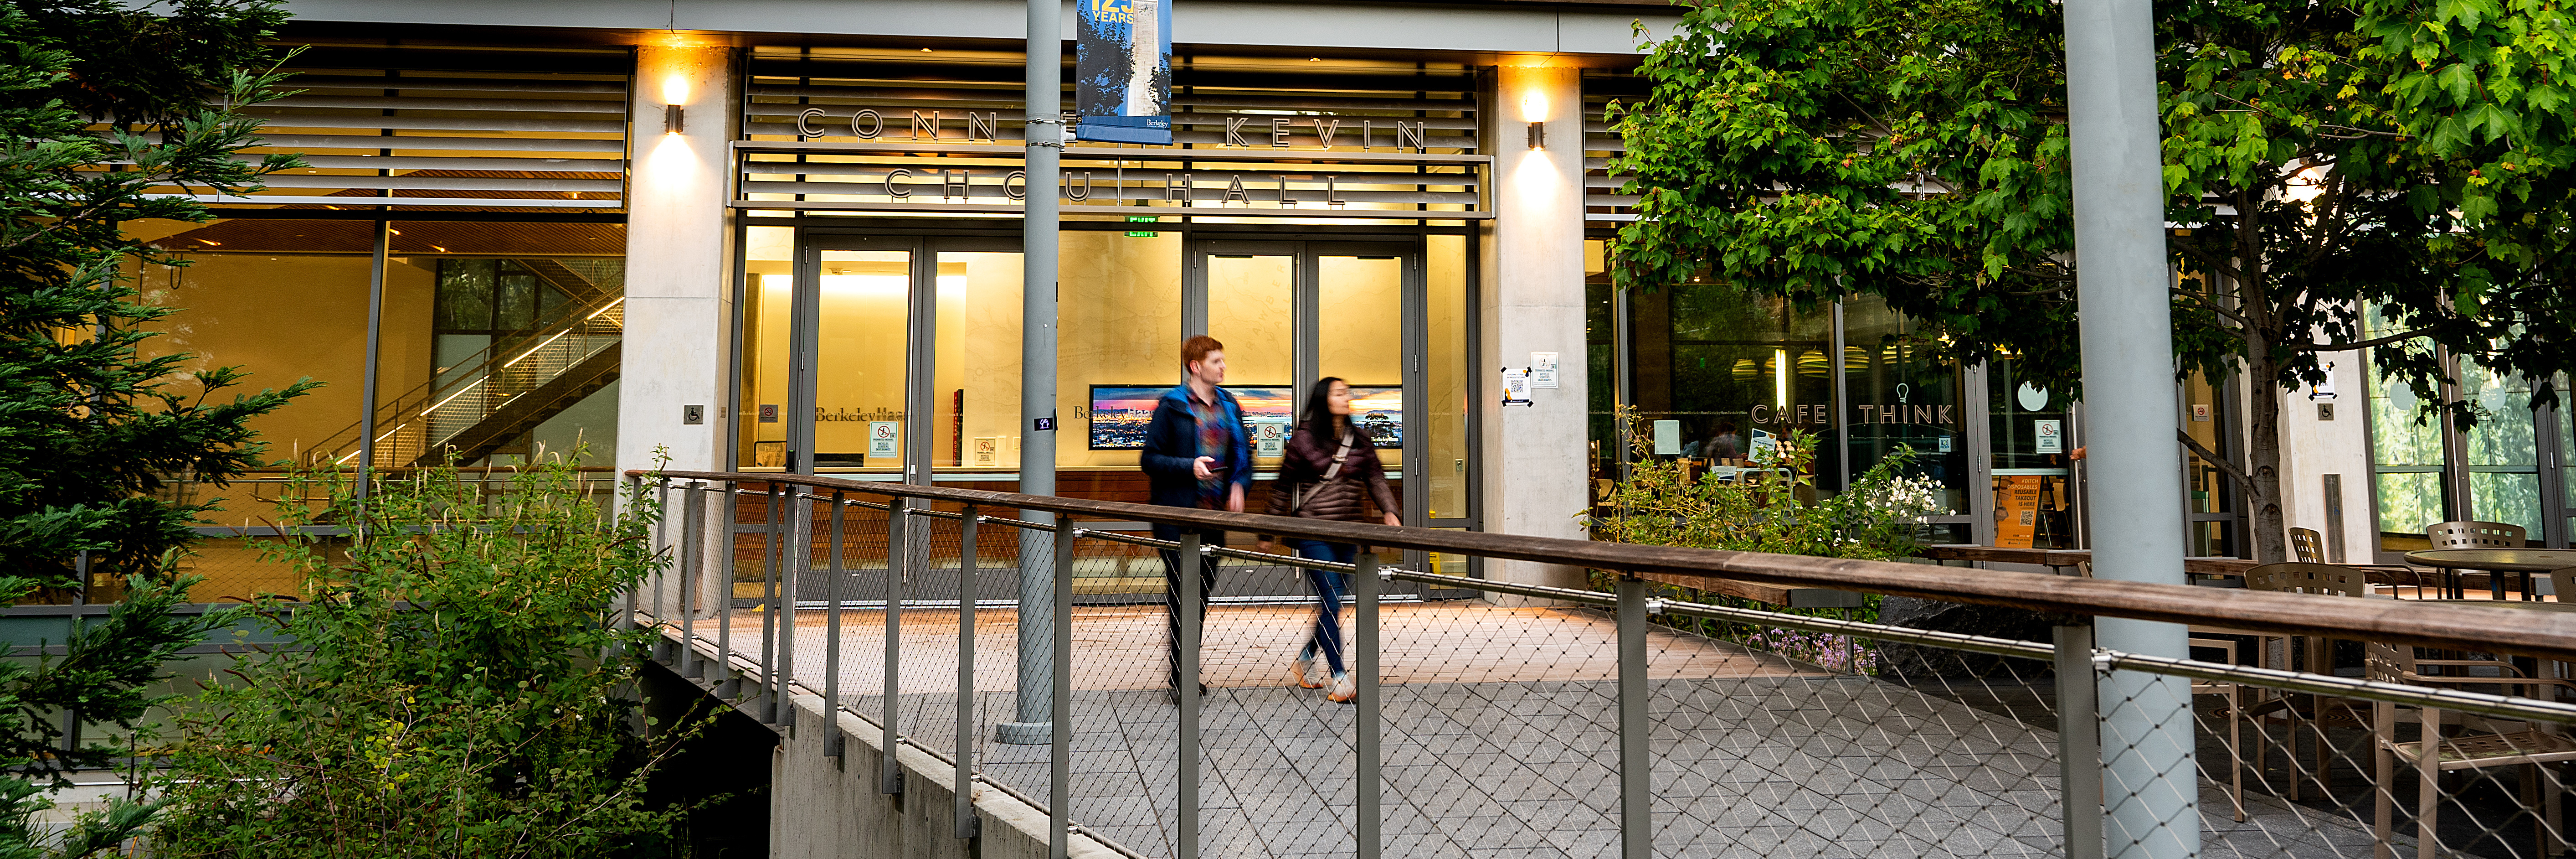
(673, 119)
(1538, 135)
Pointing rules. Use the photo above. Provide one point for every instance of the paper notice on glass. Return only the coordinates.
(881, 438)
(1269, 436)
(2049, 438)
(1542, 369)
(1516, 387)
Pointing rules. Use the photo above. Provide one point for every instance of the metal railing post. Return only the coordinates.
(967, 825)
(1364, 588)
(1060, 718)
(1185, 690)
(693, 560)
(1636, 833)
(2079, 741)
(724, 678)
(661, 541)
(772, 556)
(652, 542)
(791, 570)
(898, 560)
(832, 579)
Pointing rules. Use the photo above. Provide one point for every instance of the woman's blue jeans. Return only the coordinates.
(1329, 587)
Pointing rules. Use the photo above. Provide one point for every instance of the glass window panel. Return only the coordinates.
(2030, 448)
(1120, 327)
(465, 294)
(1446, 367)
(1902, 393)
(859, 356)
(1248, 311)
(1359, 337)
(769, 282)
(2512, 498)
(515, 299)
(2504, 435)
(2408, 500)
(978, 365)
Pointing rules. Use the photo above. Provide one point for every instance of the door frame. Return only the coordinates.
(921, 327)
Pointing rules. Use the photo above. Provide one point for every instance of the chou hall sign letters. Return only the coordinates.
(1241, 130)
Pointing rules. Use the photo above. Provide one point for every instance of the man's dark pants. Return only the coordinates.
(1172, 594)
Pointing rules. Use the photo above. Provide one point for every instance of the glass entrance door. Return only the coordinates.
(1290, 313)
(890, 356)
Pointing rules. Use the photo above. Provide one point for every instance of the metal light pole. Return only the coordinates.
(1045, 114)
(2151, 791)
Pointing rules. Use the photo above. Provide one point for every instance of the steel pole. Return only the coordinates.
(1060, 720)
(375, 330)
(2079, 742)
(898, 566)
(1044, 100)
(833, 577)
(1636, 801)
(1364, 592)
(1185, 692)
(967, 825)
(2123, 291)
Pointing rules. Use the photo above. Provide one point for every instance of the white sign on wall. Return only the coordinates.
(2049, 436)
(1542, 369)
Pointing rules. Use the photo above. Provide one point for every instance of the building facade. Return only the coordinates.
(785, 235)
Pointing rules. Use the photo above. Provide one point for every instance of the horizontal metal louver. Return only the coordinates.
(890, 133)
(1602, 202)
(450, 129)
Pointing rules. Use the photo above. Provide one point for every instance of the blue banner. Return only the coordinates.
(1122, 71)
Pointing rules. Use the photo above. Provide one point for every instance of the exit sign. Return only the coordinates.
(1143, 219)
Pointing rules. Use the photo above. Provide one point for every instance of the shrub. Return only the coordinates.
(454, 686)
(1770, 507)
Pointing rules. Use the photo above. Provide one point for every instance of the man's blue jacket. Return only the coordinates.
(1172, 444)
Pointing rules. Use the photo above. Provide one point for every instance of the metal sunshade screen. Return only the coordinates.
(449, 129)
(1603, 205)
(1252, 135)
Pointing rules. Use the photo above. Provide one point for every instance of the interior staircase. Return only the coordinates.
(494, 396)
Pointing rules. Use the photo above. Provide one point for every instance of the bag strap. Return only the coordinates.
(1335, 470)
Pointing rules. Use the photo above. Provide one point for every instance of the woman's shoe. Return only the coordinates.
(1343, 691)
(1302, 673)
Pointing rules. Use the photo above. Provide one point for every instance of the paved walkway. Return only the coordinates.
(1500, 741)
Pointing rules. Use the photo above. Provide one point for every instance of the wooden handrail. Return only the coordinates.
(2549, 635)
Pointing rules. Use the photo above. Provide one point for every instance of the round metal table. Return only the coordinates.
(2524, 561)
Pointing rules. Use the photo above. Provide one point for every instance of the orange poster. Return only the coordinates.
(2016, 509)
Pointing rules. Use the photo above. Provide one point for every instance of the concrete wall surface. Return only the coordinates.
(823, 807)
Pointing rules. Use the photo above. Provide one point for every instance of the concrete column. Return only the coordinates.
(1532, 301)
(679, 278)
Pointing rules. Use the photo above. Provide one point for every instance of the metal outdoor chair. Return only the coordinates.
(2322, 712)
(2307, 545)
(2473, 535)
(2480, 745)
(2232, 709)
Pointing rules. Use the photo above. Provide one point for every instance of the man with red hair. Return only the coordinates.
(1197, 454)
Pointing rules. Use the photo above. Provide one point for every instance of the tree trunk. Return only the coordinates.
(2271, 537)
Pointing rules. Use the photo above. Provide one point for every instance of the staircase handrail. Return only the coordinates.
(341, 446)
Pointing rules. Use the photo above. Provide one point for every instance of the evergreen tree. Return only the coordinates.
(109, 113)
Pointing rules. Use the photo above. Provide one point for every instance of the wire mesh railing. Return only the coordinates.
(1550, 720)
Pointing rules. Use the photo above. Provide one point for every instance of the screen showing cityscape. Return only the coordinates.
(1120, 414)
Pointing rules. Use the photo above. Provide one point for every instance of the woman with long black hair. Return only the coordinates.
(1329, 470)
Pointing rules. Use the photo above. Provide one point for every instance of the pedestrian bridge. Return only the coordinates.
(1527, 721)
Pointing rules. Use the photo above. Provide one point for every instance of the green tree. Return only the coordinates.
(459, 688)
(101, 104)
(2326, 157)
